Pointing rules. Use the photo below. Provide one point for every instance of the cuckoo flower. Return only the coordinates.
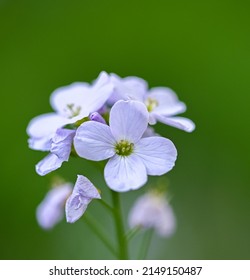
(163, 104)
(60, 151)
(71, 104)
(152, 210)
(131, 157)
(51, 210)
(84, 191)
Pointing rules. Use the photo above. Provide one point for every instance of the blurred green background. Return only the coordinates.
(201, 49)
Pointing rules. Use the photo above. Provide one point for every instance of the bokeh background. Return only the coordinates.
(201, 49)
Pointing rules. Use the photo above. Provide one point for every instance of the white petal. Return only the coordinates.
(168, 103)
(128, 88)
(128, 120)
(84, 191)
(73, 212)
(40, 144)
(152, 119)
(44, 125)
(99, 93)
(84, 187)
(138, 87)
(50, 163)
(157, 153)
(78, 100)
(101, 80)
(50, 211)
(178, 122)
(94, 141)
(149, 132)
(125, 173)
(72, 95)
(62, 143)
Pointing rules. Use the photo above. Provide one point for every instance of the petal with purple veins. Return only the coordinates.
(128, 120)
(125, 173)
(83, 193)
(158, 154)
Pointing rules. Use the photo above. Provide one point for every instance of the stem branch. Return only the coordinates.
(96, 228)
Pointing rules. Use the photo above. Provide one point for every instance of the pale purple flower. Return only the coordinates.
(163, 104)
(152, 210)
(51, 210)
(71, 104)
(83, 193)
(60, 151)
(131, 157)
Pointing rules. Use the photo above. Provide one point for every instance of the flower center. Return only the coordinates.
(124, 148)
(151, 104)
(73, 110)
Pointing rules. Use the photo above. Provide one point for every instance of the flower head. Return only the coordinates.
(163, 104)
(131, 157)
(51, 210)
(152, 210)
(71, 104)
(84, 191)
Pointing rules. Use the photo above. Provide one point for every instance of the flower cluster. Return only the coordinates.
(110, 119)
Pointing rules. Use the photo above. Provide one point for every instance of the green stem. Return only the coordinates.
(145, 244)
(97, 229)
(123, 246)
(106, 205)
(132, 232)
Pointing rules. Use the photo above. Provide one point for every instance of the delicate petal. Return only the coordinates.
(40, 144)
(62, 143)
(102, 80)
(69, 100)
(100, 92)
(97, 118)
(125, 173)
(129, 88)
(78, 100)
(152, 119)
(94, 141)
(137, 87)
(178, 122)
(168, 103)
(60, 152)
(152, 210)
(50, 211)
(48, 164)
(75, 208)
(85, 188)
(45, 125)
(128, 120)
(84, 191)
(149, 132)
(157, 153)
